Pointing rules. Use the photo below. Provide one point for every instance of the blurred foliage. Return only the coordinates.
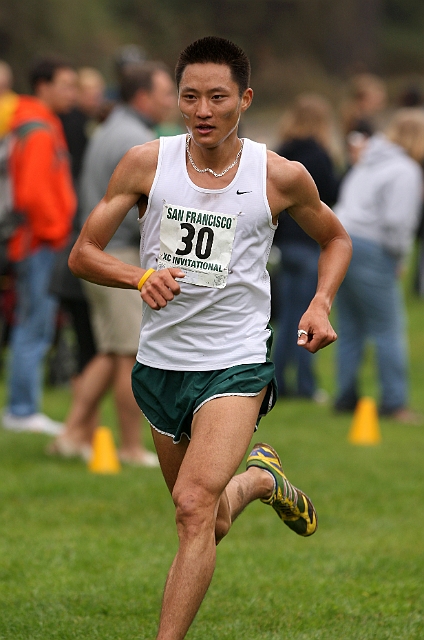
(290, 42)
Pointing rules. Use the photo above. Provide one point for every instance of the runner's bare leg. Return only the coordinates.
(201, 475)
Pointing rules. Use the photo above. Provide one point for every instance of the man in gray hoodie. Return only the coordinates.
(379, 205)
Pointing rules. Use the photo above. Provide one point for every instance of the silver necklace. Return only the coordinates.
(217, 175)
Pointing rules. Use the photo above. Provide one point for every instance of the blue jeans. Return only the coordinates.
(33, 331)
(295, 286)
(370, 307)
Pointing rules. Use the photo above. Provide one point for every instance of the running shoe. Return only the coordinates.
(293, 507)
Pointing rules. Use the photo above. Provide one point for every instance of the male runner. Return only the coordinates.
(208, 205)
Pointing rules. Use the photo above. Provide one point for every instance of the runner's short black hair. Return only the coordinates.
(218, 51)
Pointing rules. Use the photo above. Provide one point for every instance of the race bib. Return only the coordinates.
(198, 242)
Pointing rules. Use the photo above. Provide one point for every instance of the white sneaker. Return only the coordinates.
(36, 423)
(141, 459)
(150, 459)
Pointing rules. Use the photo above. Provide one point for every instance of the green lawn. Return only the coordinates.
(84, 556)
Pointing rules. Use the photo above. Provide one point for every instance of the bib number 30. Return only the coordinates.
(204, 241)
(197, 241)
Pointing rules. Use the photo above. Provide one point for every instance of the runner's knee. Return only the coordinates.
(195, 509)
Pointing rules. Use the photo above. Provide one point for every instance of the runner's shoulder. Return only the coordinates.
(136, 170)
(284, 171)
(143, 156)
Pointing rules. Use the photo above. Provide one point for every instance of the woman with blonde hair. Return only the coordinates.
(406, 129)
(306, 136)
(379, 205)
(309, 116)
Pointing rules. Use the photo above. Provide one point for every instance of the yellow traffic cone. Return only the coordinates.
(365, 428)
(104, 458)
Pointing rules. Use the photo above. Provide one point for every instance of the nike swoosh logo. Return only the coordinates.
(240, 193)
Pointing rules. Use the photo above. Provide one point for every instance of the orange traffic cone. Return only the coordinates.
(104, 458)
(365, 428)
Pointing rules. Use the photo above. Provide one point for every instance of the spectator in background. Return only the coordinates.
(361, 113)
(306, 133)
(79, 124)
(365, 103)
(379, 205)
(44, 193)
(148, 98)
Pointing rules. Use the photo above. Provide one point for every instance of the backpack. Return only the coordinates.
(10, 219)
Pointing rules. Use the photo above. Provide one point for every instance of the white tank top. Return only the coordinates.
(221, 238)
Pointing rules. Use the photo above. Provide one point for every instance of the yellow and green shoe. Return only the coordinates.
(293, 507)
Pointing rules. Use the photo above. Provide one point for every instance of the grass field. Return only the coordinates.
(84, 556)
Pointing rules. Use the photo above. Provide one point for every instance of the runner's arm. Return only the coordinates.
(130, 185)
(299, 196)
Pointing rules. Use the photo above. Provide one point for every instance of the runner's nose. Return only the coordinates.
(203, 108)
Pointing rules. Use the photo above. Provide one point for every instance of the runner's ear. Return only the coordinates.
(246, 99)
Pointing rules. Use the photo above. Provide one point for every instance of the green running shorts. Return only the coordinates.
(169, 399)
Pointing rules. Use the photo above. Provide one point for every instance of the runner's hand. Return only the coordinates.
(161, 287)
(315, 330)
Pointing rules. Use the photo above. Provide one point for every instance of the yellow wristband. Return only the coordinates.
(145, 277)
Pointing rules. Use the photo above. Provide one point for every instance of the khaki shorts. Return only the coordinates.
(116, 313)
(169, 399)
